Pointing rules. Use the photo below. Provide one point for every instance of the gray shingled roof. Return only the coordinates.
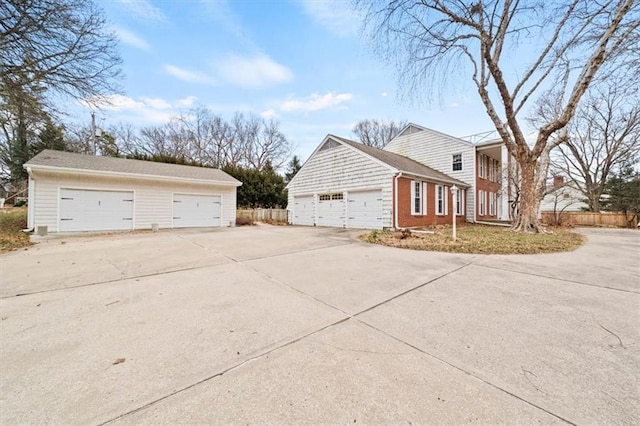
(73, 161)
(402, 163)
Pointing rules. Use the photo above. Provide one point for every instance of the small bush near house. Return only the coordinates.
(479, 239)
(12, 222)
(244, 221)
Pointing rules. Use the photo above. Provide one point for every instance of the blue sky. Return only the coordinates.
(302, 62)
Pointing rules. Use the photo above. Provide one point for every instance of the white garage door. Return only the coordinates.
(303, 213)
(365, 209)
(84, 210)
(192, 211)
(331, 210)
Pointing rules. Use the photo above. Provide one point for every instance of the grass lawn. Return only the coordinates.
(481, 239)
(12, 222)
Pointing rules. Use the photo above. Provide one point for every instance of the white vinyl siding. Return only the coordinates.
(343, 169)
(435, 150)
(441, 200)
(418, 199)
(153, 200)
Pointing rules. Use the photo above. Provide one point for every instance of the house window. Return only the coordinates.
(457, 162)
(492, 204)
(441, 200)
(481, 202)
(460, 202)
(481, 168)
(496, 170)
(417, 197)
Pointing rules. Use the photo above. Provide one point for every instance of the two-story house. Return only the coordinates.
(421, 178)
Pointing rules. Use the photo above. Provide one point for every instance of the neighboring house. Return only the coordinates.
(347, 184)
(79, 192)
(561, 197)
(407, 184)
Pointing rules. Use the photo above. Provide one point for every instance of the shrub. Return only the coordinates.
(244, 221)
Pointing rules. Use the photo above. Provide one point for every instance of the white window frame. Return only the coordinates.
(441, 195)
(492, 204)
(481, 169)
(420, 195)
(460, 202)
(482, 202)
(454, 162)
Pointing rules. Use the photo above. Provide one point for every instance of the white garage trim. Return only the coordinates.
(84, 209)
(196, 210)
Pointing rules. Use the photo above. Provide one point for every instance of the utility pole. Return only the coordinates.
(93, 133)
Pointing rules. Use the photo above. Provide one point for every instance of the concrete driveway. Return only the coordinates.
(290, 325)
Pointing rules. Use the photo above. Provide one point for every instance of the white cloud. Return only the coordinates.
(454, 105)
(157, 103)
(255, 71)
(316, 102)
(269, 114)
(187, 75)
(187, 102)
(384, 94)
(128, 37)
(337, 16)
(144, 9)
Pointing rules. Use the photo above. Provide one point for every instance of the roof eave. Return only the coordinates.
(38, 167)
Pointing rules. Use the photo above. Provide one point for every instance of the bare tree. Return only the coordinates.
(377, 133)
(566, 43)
(604, 135)
(63, 45)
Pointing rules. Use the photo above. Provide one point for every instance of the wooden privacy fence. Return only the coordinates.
(591, 219)
(264, 215)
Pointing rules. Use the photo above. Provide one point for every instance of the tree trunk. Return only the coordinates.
(527, 216)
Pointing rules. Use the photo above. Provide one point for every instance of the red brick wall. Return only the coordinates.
(486, 185)
(407, 220)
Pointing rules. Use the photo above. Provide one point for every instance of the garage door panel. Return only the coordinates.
(365, 209)
(303, 210)
(331, 213)
(91, 210)
(192, 211)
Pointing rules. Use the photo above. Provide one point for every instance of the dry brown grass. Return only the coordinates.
(12, 222)
(480, 239)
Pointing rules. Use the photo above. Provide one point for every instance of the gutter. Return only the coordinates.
(130, 175)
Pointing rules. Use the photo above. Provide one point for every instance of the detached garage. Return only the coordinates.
(77, 192)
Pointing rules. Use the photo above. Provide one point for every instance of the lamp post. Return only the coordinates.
(454, 192)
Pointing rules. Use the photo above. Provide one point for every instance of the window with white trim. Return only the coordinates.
(329, 197)
(441, 200)
(457, 162)
(482, 202)
(492, 204)
(417, 197)
(481, 168)
(460, 202)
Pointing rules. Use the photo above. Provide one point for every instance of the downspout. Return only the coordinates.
(395, 201)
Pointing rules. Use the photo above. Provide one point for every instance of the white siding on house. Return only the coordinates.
(436, 150)
(153, 200)
(341, 169)
(563, 199)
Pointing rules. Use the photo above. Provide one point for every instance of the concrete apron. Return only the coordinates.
(294, 325)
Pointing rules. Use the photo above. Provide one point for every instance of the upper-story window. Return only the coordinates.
(457, 162)
(482, 170)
